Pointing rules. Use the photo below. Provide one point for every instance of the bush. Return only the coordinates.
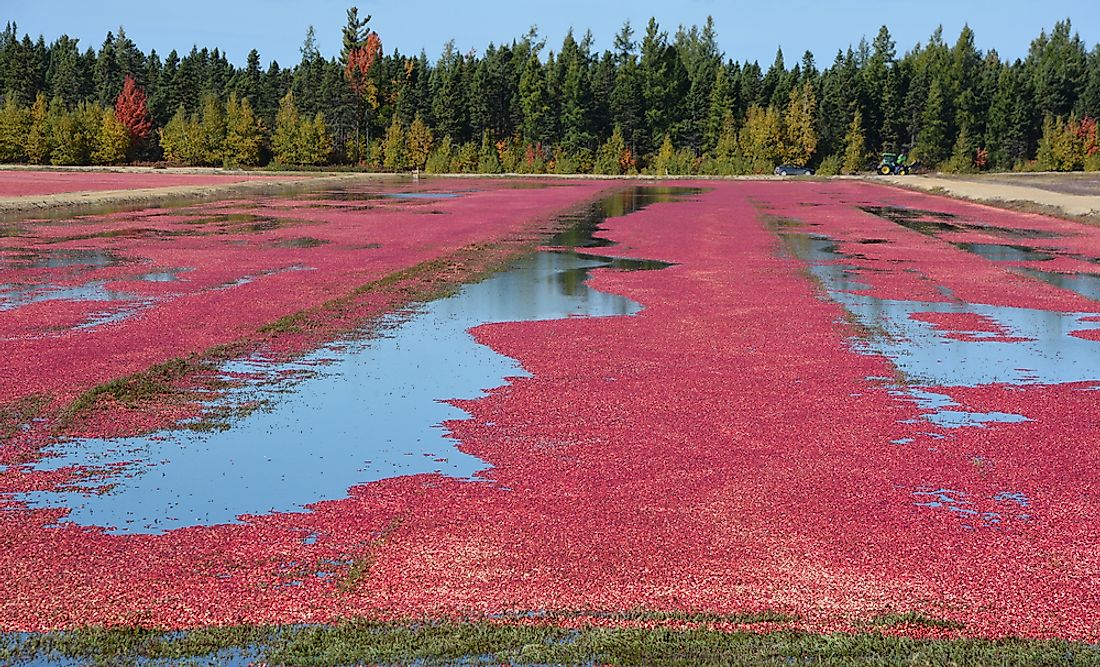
(830, 166)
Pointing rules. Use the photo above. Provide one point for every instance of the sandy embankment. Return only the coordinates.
(79, 199)
(1016, 195)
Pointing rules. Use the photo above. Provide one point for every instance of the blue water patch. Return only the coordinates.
(1085, 284)
(347, 414)
(1045, 354)
(16, 295)
(938, 410)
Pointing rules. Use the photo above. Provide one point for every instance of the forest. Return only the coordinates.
(655, 103)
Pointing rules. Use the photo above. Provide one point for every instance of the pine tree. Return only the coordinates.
(964, 152)
(534, 99)
(107, 77)
(717, 107)
(728, 158)
(66, 74)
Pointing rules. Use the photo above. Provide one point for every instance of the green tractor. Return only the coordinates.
(894, 164)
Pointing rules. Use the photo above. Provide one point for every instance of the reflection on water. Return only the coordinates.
(586, 224)
(998, 252)
(64, 258)
(15, 295)
(933, 223)
(353, 195)
(349, 413)
(1085, 284)
(353, 413)
(1036, 347)
(1046, 353)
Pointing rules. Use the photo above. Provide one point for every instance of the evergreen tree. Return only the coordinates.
(1057, 67)
(934, 142)
(66, 75)
(107, 75)
(534, 99)
(448, 100)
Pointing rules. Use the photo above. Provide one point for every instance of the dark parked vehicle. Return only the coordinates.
(792, 170)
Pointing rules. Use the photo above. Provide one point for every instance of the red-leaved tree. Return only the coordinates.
(360, 61)
(130, 108)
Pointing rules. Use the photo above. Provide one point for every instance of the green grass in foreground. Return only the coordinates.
(484, 643)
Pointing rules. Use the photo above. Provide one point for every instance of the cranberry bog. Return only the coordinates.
(545, 422)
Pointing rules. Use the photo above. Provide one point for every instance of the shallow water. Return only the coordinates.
(363, 411)
(929, 357)
(1001, 252)
(350, 413)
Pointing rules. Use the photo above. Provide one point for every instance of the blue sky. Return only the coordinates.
(746, 30)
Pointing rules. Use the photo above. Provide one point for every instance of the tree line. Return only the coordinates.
(655, 102)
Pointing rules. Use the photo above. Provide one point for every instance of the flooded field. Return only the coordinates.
(814, 405)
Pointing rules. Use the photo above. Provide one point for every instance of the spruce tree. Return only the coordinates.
(934, 141)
